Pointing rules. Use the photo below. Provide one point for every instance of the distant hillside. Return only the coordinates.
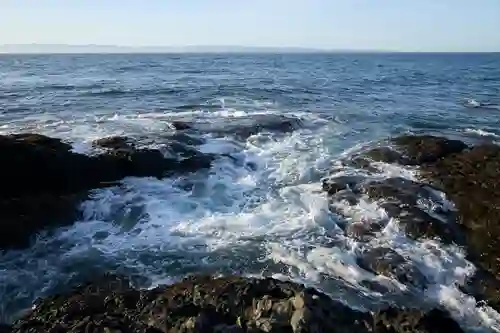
(55, 48)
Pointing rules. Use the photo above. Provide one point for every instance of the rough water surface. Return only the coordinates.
(277, 126)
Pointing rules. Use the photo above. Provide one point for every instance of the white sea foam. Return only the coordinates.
(273, 217)
(481, 132)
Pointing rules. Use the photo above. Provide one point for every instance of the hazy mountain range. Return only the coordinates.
(61, 48)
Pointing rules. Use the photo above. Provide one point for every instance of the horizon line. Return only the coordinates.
(202, 48)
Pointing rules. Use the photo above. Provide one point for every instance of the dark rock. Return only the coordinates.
(114, 142)
(195, 163)
(416, 150)
(386, 155)
(197, 304)
(244, 127)
(22, 216)
(427, 148)
(394, 320)
(363, 230)
(420, 224)
(181, 150)
(400, 189)
(385, 261)
(120, 163)
(361, 163)
(471, 179)
(261, 305)
(43, 180)
(226, 305)
(185, 139)
(401, 199)
(39, 140)
(484, 286)
(179, 125)
(337, 184)
(346, 195)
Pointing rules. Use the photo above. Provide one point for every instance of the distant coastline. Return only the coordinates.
(203, 49)
(116, 49)
(72, 49)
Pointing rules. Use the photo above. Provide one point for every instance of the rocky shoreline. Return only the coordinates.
(205, 304)
(470, 178)
(45, 181)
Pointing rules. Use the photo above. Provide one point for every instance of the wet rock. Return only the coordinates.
(337, 184)
(394, 320)
(426, 148)
(403, 190)
(386, 155)
(38, 140)
(43, 180)
(416, 150)
(401, 197)
(114, 142)
(185, 139)
(420, 224)
(254, 305)
(471, 180)
(363, 230)
(470, 177)
(385, 261)
(227, 305)
(120, 163)
(23, 215)
(484, 286)
(244, 127)
(40, 185)
(361, 163)
(347, 196)
(197, 304)
(180, 126)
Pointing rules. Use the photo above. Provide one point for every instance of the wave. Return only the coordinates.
(259, 211)
(272, 219)
(481, 132)
(472, 103)
(115, 91)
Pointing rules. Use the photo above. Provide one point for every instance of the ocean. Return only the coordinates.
(267, 216)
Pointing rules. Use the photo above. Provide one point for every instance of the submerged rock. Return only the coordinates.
(43, 180)
(416, 150)
(363, 230)
(427, 148)
(471, 180)
(386, 155)
(245, 126)
(114, 142)
(470, 177)
(395, 320)
(484, 286)
(385, 261)
(337, 184)
(226, 305)
(180, 125)
(400, 198)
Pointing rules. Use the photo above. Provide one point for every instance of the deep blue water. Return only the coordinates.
(271, 220)
(386, 92)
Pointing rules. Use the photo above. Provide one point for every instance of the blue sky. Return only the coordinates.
(411, 25)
